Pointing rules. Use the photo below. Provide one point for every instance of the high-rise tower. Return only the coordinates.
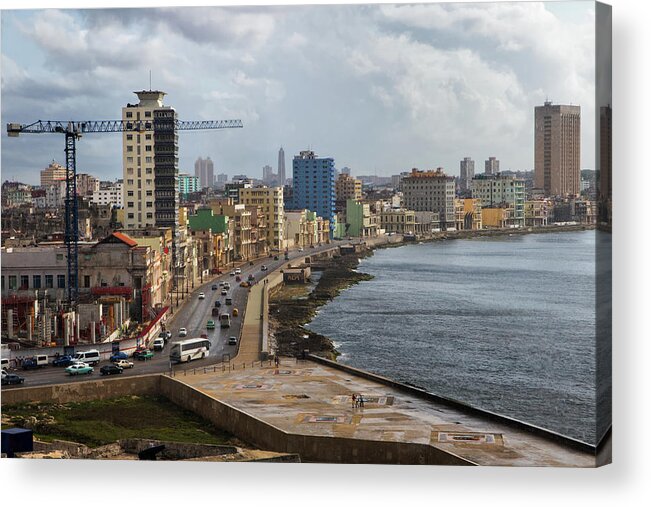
(314, 185)
(281, 167)
(204, 170)
(150, 164)
(466, 173)
(558, 149)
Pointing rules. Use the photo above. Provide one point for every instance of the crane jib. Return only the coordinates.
(91, 126)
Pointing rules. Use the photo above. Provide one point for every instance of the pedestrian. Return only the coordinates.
(361, 401)
(354, 400)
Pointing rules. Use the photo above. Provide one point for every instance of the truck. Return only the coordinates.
(37, 361)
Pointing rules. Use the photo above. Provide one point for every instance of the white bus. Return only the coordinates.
(188, 350)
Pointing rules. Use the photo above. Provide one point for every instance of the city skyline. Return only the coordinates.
(410, 89)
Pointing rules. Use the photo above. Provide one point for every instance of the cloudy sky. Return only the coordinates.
(380, 88)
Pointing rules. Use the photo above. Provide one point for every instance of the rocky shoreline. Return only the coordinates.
(292, 306)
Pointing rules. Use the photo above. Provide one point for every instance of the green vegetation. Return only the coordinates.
(102, 422)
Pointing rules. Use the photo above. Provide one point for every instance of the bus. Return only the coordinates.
(225, 320)
(185, 351)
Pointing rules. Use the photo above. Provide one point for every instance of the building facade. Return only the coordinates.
(346, 188)
(491, 166)
(204, 170)
(430, 191)
(466, 173)
(188, 184)
(270, 199)
(557, 144)
(52, 174)
(498, 191)
(314, 185)
(282, 176)
(110, 194)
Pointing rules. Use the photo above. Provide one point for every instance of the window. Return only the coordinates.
(59, 257)
(36, 281)
(147, 114)
(12, 282)
(129, 170)
(49, 281)
(130, 159)
(129, 114)
(149, 204)
(129, 137)
(130, 204)
(130, 193)
(87, 281)
(129, 148)
(129, 182)
(150, 215)
(150, 193)
(148, 160)
(61, 281)
(24, 282)
(130, 216)
(148, 147)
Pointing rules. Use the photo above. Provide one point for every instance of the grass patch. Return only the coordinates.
(102, 422)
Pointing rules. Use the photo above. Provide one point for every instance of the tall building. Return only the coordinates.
(491, 166)
(282, 178)
(466, 173)
(314, 185)
(204, 170)
(345, 170)
(270, 199)
(150, 164)
(347, 187)
(557, 161)
(430, 191)
(52, 174)
(188, 184)
(222, 178)
(499, 191)
(268, 174)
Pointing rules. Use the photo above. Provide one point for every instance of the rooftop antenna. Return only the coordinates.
(149, 79)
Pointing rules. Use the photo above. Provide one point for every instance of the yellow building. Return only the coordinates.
(468, 214)
(270, 199)
(495, 217)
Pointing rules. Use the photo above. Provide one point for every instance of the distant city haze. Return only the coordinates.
(379, 88)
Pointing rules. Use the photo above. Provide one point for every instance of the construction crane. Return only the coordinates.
(73, 131)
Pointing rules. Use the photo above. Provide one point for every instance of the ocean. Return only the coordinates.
(506, 324)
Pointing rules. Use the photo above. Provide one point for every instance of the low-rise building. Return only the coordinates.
(468, 214)
(398, 221)
(536, 213)
(360, 221)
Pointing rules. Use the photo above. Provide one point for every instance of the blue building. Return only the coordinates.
(314, 185)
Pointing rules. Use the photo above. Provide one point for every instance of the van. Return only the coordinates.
(90, 357)
(37, 361)
(225, 320)
(5, 364)
(159, 343)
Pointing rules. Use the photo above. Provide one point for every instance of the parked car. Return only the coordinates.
(202, 295)
(214, 286)
(210, 324)
(224, 292)
(118, 356)
(238, 271)
(12, 379)
(147, 354)
(110, 369)
(159, 344)
(79, 369)
(139, 350)
(232, 340)
(183, 332)
(263, 268)
(62, 361)
(123, 363)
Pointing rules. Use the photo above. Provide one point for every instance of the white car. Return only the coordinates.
(238, 271)
(123, 363)
(227, 285)
(183, 332)
(224, 292)
(202, 295)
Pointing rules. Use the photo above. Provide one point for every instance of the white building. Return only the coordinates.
(109, 195)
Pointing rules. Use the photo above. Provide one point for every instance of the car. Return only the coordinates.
(139, 350)
(183, 332)
(168, 335)
(210, 324)
(12, 379)
(204, 335)
(63, 361)
(221, 283)
(224, 292)
(263, 268)
(229, 301)
(232, 273)
(79, 369)
(238, 278)
(110, 369)
(232, 340)
(144, 355)
(238, 271)
(118, 356)
(159, 344)
(244, 284)
(227, 285)
(214, 286)
(123, 363)
(251, 277)
(218, 303)
(202, 295)
(235, 312)
(301, 250)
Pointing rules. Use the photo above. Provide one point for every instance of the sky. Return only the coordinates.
(380, 88)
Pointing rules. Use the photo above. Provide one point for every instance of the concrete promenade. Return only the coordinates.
(308, 398)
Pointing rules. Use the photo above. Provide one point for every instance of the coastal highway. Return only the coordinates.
(193, 314)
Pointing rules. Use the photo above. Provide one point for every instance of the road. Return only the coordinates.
(193, 315)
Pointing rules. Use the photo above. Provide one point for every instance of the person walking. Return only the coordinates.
(354, 400)
(361, 401)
